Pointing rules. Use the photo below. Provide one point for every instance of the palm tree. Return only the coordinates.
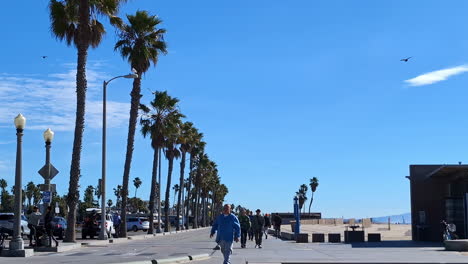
(109, 203)
(156, 122)
(30, 191)
(137, 183)
(3, 185)
(195, 145)
(97, 191)
(176, 189)
(302, 195)
(171, 152)
(185, 138)
(314, 183)
(76, 22)
(118, 194)
(140, 42)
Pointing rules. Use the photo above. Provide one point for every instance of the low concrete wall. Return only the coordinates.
(325, 221)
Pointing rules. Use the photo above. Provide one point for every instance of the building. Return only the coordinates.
(438, 192)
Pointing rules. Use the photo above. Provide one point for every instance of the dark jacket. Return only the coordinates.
(277, 220)
(244, 222)
(267, 221)
(258, 222)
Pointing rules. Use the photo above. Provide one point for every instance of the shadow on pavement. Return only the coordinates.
(396, 244)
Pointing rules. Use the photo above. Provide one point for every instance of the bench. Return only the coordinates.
(373, 237)
(318, 237)
(334, 238)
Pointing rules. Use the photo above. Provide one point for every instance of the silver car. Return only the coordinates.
(137, 223)
(7, 219)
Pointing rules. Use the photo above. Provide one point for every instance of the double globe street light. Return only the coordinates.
(103, 233)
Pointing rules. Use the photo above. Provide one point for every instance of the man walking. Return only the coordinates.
(33, 222)
(277, 224)
(245, 227)
(258, 223)
(228, 228)
(267, 225)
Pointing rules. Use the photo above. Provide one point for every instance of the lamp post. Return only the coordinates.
(103, 233)
(48, 137)
(297, 215)
(17, 242)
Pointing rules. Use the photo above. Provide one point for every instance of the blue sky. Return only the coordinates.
(283, 91)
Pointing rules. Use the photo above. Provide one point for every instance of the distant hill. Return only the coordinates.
(394, 219)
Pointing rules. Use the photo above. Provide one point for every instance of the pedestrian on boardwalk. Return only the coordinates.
(228, 228)
(33, 222)
(267, 225)
(251, 232)
(277, 220)
(258, 223)
(116, 220)
(48, 225)
(245, 227)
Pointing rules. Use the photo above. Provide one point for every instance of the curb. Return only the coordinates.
(199, 257)
(171, 260)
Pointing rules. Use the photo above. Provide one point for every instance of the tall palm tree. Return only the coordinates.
(3, 185)
(185, 138)
(75, 21)
(118, 194)
(201, 165)
(141, 43)
(155, 123)
(194, 146)
(137, 183)
(171, 152)
(302, 195)
(314, 183)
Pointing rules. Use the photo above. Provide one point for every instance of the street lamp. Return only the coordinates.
(17, 242)
(103, 233)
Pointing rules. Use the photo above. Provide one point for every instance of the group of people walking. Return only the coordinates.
(230, 228)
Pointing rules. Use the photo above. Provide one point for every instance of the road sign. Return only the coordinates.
(44, 170)
(45, 188)
(46, 197)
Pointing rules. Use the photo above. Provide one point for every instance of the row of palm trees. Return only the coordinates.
(162, 123)
(141, 42)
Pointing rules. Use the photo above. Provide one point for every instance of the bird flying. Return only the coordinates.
(406, 60)
(44, 57)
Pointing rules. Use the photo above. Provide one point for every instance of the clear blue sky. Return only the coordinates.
(283, 91)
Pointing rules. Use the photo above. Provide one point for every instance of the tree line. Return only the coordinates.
(141, 43)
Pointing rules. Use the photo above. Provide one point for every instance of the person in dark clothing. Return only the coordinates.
(251, 232)
(245, 227)
(267, 225)
(277, 220)
(48, 218)
(258, 223)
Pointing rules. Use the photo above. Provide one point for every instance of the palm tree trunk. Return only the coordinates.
(168, 190)
(81, 85)
(152, 200)
(311, 199)
(181, 184)
(192, 158)
(135, 103)
(195, 208)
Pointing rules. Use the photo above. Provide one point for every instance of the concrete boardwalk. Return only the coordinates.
(273, 251)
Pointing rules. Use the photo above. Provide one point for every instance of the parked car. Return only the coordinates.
(59, 225)
(92, 224)
(6, 222)
(137, 223)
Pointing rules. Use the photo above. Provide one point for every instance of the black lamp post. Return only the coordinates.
(17, 242)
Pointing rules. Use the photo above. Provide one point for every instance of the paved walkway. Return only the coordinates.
(273, 251)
